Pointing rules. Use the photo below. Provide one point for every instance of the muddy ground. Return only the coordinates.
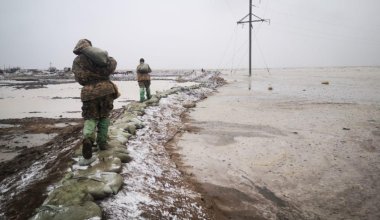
(296, 151)
(29, 141)
(35, 154)
(14, 172)
(287, 145)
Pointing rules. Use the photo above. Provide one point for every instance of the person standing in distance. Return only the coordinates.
(92, 69)
(143, 78)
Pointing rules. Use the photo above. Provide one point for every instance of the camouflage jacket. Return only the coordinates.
(142, 76)
(94, 79)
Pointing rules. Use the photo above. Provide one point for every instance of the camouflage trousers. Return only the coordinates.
(97, 108)
(96, 113)
(94, 130)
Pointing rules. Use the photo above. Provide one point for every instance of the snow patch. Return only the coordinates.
(153, 186)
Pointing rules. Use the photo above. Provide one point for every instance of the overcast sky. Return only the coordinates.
(191, 33)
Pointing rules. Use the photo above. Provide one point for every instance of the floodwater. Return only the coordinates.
(63, 100)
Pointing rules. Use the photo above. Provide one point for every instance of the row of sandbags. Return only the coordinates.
(73, 198)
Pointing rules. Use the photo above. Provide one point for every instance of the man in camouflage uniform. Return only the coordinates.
(97, 96)
(143, 78)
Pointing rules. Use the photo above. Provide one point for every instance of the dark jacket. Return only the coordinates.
(143, 76)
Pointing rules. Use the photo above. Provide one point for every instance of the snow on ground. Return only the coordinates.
(153, 186)
(35, 172)
(22, 185)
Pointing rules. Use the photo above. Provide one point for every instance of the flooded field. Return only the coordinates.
(289, 144)
(62, 100)
(29, 172)
(24, 103)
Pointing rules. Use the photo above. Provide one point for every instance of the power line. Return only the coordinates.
(229, 8)
(234, 52)
(261, 52)
(227, 47)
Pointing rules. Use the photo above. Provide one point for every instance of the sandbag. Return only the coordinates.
(124, 157)
(68, 195)
(102, 184)
(96, 55)
(106, 164)
(87, 210)
(98, 185)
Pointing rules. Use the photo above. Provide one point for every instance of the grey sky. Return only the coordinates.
(191, 33)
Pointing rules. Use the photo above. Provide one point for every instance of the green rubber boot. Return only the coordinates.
(87, 148)
(142, 94)
(89, 129)
(148, 96)
(101, 138)
(88, 138)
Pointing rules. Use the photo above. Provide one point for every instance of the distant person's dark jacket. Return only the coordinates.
(143, 76)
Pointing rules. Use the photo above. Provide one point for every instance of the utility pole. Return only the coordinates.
(250, 21)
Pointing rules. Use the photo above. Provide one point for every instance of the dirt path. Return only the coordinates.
(304, 150)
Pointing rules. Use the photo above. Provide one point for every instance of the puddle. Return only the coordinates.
(5, 155)
(11, 145)
(25, 141)
(62, 125)
(8, 126)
